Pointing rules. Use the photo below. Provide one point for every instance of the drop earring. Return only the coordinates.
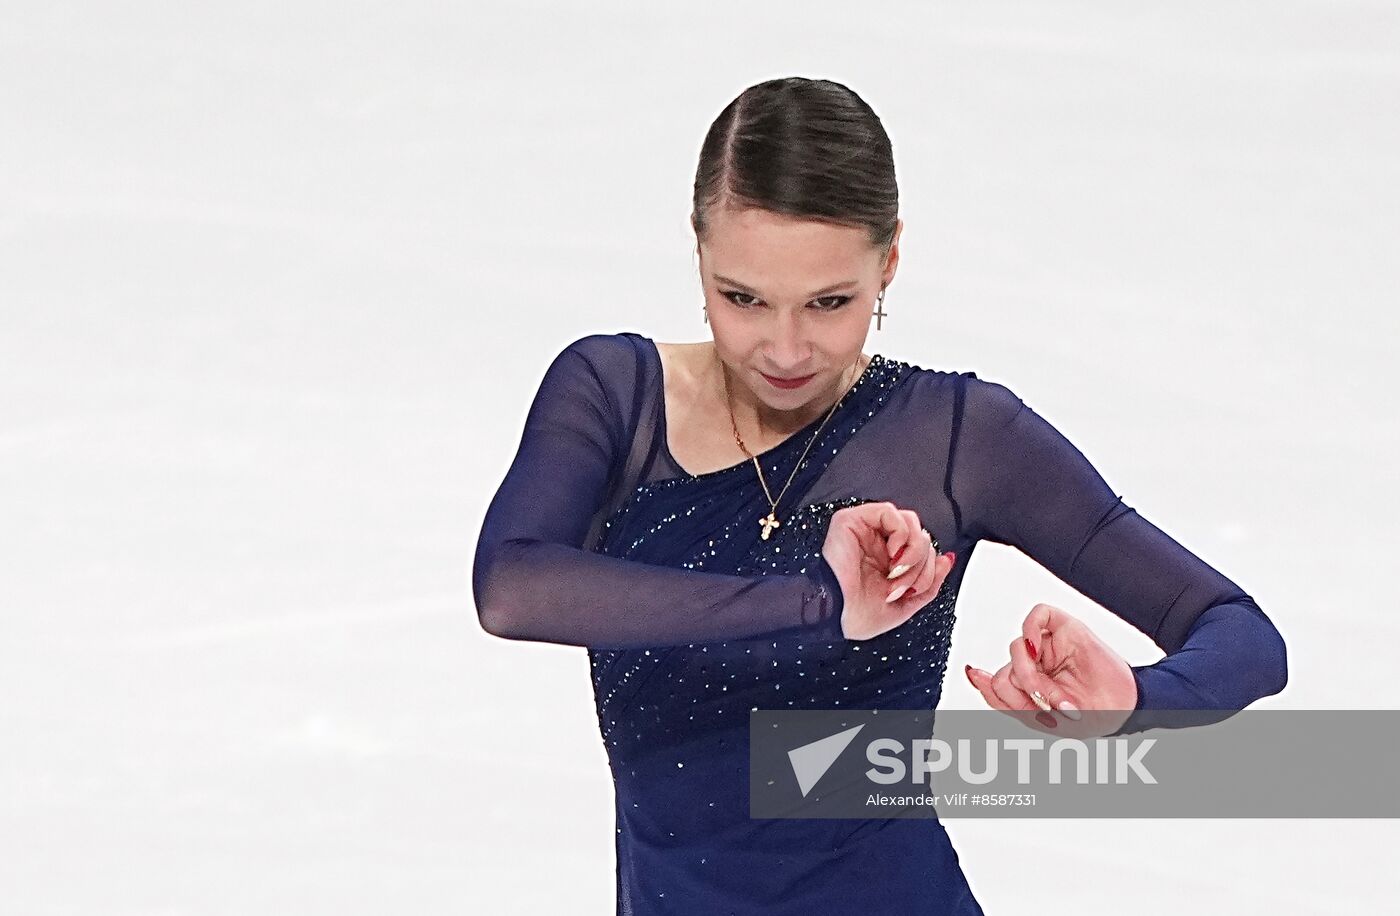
(706, 310)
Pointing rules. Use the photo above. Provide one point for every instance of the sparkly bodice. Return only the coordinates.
(659, 700)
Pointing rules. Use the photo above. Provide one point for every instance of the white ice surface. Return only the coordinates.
(277, 283)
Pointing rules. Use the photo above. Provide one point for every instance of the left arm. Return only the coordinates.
(1019, 481)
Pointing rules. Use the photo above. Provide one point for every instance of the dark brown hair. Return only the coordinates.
(802, 147)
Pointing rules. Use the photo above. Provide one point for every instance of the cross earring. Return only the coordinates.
(706, 310)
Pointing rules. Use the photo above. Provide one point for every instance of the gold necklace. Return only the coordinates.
(771, 520)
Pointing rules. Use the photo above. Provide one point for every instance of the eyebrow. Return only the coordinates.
(821, 292)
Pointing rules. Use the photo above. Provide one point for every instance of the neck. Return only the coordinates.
(752, 414)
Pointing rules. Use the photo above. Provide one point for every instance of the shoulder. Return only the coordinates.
(606, 361)
(985, 402)
(605, 349)
(990, 402)
(593, 382)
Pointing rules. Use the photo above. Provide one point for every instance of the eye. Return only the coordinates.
(835, 302)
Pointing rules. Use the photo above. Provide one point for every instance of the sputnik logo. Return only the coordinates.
(811, 761)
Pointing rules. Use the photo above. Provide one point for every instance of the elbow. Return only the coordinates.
(497, 613)
(1267, 650)
(494, 610)
(512, 598)
(1269, 655)
(1258, 654)
(498, 621)
(1278, 669)
(493, 621)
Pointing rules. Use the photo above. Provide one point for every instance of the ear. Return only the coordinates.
(892, 259)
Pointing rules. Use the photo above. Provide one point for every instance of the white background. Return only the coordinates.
(278, 282)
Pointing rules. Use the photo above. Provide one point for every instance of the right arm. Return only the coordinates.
(533, 580)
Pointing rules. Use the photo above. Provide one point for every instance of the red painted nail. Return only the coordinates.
(967, 669)
(897, 554)
(1044, 718)
(1030, 647)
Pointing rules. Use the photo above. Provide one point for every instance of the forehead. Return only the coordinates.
(762, 246)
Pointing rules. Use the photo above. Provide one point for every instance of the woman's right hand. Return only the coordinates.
(864, 543)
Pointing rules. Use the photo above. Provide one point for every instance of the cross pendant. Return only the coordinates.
(879, 312)
(768, 524)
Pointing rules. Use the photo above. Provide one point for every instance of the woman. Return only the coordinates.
(774, 519)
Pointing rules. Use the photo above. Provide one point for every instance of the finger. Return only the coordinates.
(1038, 629)
(1045, 718)
(1027, 677)
(982, 682)
(872, 544)
(901, 543)
(878, 529)
(912, 557)
(880, 519)
(1044, 712)
(855, 530)
(926, 578)
(917, 587)
(914, 551)
(1009, 693)
(1043, 619)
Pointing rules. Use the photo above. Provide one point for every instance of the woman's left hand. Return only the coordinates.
(1088, 687)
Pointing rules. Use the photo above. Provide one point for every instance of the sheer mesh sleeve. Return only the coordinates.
(1018, 481)
(533, 580)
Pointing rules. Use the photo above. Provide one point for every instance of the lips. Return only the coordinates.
(794, 382)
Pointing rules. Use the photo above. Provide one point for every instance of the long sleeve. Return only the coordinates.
(1018, 481)
(1232, 656)
(531, 577)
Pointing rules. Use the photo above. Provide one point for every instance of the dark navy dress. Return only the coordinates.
(598, 538)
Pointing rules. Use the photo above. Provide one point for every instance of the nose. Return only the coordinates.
(788, 351)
